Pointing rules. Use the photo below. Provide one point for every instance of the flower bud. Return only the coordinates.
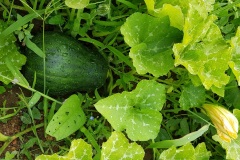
(224, 121)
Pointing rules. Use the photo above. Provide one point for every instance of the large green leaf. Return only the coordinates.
(192, 96)
(232, 148)
(203, 51)
(79, 150)
(9, 50)
(68, 119)
(235, 62)
(174, 12)
(186, 152)
(201, 6)
(136, 111)
(151, 40)
(118, 147)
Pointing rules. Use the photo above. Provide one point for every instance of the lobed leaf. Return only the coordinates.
(118, 147)
(192, 96)
(175, 14)
(234, 64)
(201, 6)
(68, 119)
(79, 150)
(136, 111)
(186, 152)
(151, 40)
(203, 51)
(9, 51)
(232, 148)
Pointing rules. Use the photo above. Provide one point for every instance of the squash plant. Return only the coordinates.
(167, 59)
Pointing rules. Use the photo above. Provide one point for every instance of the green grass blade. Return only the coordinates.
(20, 22)
(181, 141)
(34, 48)
(93, 41)
(34, 99)
(129, 4)
(121, 56)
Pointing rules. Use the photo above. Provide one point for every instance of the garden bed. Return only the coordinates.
(119, 79)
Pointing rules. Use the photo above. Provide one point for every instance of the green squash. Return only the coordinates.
(70, 66)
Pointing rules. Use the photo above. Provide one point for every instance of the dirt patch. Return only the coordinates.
(12, 125)
(10, 128)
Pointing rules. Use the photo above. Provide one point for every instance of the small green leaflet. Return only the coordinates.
(203, 51)
(136, 111)
(232, 148)
(186, 152)
(192, 96)
(77, 4)
(151, 40)
(68, 119)
(79, 150)
(181, 141)
(234, 64)
(118, 147)
(34, 99)
(9, 50)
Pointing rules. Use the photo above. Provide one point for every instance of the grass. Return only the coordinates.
(99, 24)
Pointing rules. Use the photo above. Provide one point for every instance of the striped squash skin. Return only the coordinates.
(70, 66)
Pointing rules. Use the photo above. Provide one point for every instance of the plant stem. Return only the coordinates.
(17, 136)
(33, 90)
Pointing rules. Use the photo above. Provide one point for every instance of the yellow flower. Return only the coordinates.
(224, 121)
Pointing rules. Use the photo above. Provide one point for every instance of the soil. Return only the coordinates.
(13, 124)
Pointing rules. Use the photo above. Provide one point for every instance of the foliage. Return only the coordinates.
(167, 60)
(79, 150)
(136, 111)
(151, 41)
(8, 54)
(187, 151)
(69, 118)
